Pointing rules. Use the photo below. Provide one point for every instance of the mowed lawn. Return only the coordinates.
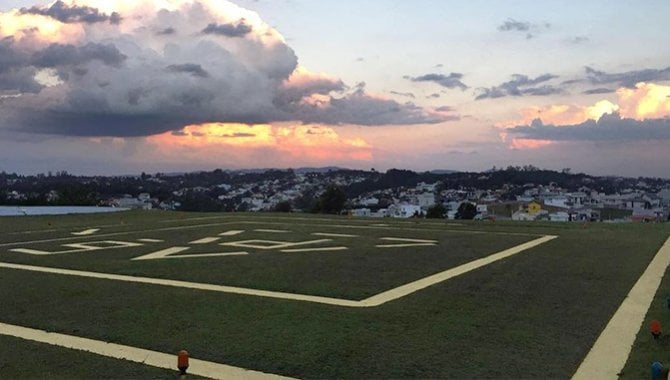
(535, 314)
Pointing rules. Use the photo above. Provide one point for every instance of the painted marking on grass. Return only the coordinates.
(373, 301)
(81, 247)
(231, 233)
(86, 232)
(271, 244)
(608, 355)
(409, 240)
(31, 251)
(178, 228)
(324, 249)
(272, 231)
(423, 283)
(162, 253)
(327, 234)
(184, 284)
(206, 240)
(150, 240)
(405, 245)
(169, 252)
(134, 354)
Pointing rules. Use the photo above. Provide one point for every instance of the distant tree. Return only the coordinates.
(332, 201)
(466, 211)
(437, 211)
(284, 206)
(77, 194)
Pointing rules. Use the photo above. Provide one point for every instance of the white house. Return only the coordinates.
(483, 210)
(404, 210)
(426, 200)
(560, 216)
(557, 201)
(361, 212)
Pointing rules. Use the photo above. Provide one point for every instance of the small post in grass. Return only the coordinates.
(655, 328)
(656, 370)
(182, 361)
(668, 302)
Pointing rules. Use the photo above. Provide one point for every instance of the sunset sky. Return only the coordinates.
(124, 86)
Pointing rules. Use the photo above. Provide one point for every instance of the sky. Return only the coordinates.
(125, 86)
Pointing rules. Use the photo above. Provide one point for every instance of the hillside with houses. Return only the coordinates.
(514, 193)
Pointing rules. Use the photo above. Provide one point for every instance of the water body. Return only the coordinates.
(54, 210)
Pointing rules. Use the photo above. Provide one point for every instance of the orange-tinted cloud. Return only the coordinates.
(645, 101)
(305, 142)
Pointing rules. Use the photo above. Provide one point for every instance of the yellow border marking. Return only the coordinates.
(134, 354)
(610, 352)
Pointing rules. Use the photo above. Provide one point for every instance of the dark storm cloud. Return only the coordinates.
(61, 55)
(71, 14)
(601, 90)
(521, 85)
(189, 68)
(608, 128)
(452, 80)
(629, 78)
(229, 30)
(514, 25)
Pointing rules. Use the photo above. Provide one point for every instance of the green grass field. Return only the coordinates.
(533, 315)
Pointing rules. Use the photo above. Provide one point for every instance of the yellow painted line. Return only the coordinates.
(315, 249)
(425, 282)
(373, 301)
(162, 253)
(134, 354)
(231, 233)
(184, 284)
(206, 240)
(408, 240)
(327, 234)
(610, 352)
(405, 245)
(86, 232)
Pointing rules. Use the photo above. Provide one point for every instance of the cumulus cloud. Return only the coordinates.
(221, 63)
(73, 13)
(628, 78)
(451, 81)
(521, 85)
